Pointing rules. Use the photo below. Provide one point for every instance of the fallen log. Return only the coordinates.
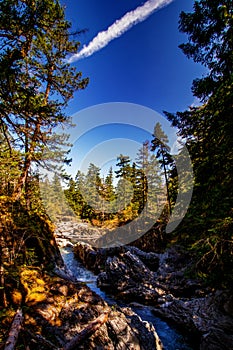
(14, 330)
(40, 339)
(87, 332)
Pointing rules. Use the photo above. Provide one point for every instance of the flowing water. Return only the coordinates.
(170, 338)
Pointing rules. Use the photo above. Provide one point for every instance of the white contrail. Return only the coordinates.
(119, 27)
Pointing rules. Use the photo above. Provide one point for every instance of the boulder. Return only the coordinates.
(204, 319)
(124, 271)
(57, 311)
(160, 280)
(82, 251)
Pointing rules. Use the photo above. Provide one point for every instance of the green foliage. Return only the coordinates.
(215, 253)
(207, 131)
(113, 201)
(53, 198)
(36, 80)
(36, 84)
(160, 145)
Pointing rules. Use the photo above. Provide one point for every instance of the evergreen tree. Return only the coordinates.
(136, 179)
(124, 167)
(36, 80)
(160, 144)
(92, 192)
(124, 187)
(10, 167)
(54, 199)
(108, 194)
(142, 161)
(74, 193)
(79, 190)
(71, 196)
(156, 192)
(207, 131)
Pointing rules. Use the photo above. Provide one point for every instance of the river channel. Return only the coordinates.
(170, 338)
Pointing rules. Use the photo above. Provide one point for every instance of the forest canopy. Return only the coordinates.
(36, 85)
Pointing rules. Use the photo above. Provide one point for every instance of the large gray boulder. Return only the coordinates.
(209, 319)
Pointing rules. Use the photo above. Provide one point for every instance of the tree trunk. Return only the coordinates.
(87, 332)
(21, 182)
(14, 331)
(166, 180)
(3, 300)
(41, 340)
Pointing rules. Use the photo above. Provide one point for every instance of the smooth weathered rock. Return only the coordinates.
(203, 318)
(132, 332)
(151, 260)
(82, 250)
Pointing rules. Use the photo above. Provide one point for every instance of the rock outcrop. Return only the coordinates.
(123, 271)
(57, 311)
(161, 280)
(205, 319)
(71, 231)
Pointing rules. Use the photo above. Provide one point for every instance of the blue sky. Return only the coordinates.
(143, 66)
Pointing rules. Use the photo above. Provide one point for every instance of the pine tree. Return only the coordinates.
(207, 131)
(156, 192)
(124, 166)
(79, 190)
(54, 198)
(36, 80)
(160, 144)
(108, 194)
(10, 166)
(142, 162)
(124, 188)
(92, 192)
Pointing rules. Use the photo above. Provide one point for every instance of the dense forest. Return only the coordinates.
(146, 184)
(36, 85)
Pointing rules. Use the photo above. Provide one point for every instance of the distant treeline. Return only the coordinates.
(143, 185)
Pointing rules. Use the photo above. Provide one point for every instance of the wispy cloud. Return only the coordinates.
(119, 27)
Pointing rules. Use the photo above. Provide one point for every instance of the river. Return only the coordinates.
(170, 338)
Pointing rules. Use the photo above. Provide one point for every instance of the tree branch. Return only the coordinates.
(87, 332)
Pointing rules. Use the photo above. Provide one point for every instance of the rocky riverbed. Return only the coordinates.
(63, 314)
(123, 328)
(160, 280)
(56, 311)
(71, 231)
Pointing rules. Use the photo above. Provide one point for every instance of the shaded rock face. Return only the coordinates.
(153, 240)
(125, 330)
(58, 309)
(135, 275)
(125, 271)
(128, 277)
(95, 259)
(206, 316)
